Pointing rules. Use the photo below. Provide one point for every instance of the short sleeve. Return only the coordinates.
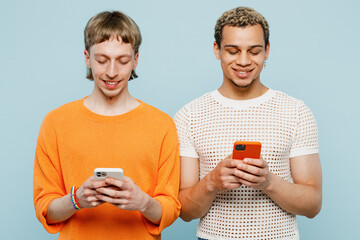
(305, 139)
(167, 188)
(47, 179)
(187, 145)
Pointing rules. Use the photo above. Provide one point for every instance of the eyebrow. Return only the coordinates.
(236, 46)
(104, 55)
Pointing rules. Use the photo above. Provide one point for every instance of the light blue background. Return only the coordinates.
(314, 56)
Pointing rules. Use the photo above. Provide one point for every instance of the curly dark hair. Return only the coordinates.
(241, 17)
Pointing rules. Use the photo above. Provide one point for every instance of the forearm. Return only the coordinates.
(196, 200)
(60, 209)
(152, 210)
(295, 198)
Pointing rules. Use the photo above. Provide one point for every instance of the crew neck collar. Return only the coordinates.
(100, 117)
(239, 104)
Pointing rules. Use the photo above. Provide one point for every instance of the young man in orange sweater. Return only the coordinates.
(109, 128)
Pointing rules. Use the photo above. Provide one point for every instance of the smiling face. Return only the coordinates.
(242, 55)
(111, 63)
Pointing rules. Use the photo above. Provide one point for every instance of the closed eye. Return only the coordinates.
(232, 51)
(254, 53)
(101, 60)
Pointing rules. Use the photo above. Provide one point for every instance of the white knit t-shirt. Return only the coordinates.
(207, 129)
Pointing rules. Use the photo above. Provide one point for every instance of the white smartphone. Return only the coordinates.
(102, 173)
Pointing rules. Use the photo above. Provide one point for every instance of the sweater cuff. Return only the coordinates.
(170, 212)
(41, 213)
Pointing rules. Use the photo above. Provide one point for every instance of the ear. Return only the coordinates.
(87, 58)
(136, 58)
(216, 50)
(267, 51)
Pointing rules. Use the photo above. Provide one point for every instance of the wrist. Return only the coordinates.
(73, 198)
(146, 203)
(270, 186)
(209, 183)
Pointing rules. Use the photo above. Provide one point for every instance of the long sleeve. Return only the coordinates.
(48, 182)
(167, 187)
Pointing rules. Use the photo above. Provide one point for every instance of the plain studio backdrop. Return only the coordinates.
(314, 56)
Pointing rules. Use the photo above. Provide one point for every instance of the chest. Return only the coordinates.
(214, 135)
(91, 145)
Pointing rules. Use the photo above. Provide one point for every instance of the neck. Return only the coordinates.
(101, 104)
(229, 90)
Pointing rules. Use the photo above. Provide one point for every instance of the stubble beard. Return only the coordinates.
(242, 86)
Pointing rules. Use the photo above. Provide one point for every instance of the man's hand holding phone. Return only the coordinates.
(222, 177)
(115, 188)
(124, 194)
(86, 194)
(253, 171)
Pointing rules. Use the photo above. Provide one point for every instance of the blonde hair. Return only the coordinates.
(241, 17)
(106, 25)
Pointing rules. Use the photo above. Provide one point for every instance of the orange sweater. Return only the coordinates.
(73, 141)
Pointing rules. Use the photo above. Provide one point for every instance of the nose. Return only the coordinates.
(243, 59)
(112, 70)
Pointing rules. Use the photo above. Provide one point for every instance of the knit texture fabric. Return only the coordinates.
(207, 129)
(73, 141)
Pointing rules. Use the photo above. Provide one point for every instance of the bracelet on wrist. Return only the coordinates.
(73, 198)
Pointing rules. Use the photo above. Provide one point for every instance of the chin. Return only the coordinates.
(111, 94)
(242, 85)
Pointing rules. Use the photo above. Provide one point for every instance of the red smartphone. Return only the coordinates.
(246, 149)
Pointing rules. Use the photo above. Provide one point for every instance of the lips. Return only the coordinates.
(111, 84)
(242, 73)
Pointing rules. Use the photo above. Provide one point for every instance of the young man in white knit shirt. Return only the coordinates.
(254, 198)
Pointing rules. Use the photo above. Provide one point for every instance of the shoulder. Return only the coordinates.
(291, 104)
(57, 118)
(160, 124)
(60, 114)
(197, 104)
(155, 117)
(284, 100)
(155, 112)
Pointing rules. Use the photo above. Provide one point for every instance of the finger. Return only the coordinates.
(112, 200)
(96, 202)
(247, 177)
(92, 198)
(88, 192)
(112, 187)
(256, 162)
(231, 163)
(223, 174)
(227, 182)
(229, 179)
(92, 183)
(246, 183)
(254, 170)
(115, 182)
(125, 184)
(98, 184)
(114, 193)
(233, 185)
(92, 201)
